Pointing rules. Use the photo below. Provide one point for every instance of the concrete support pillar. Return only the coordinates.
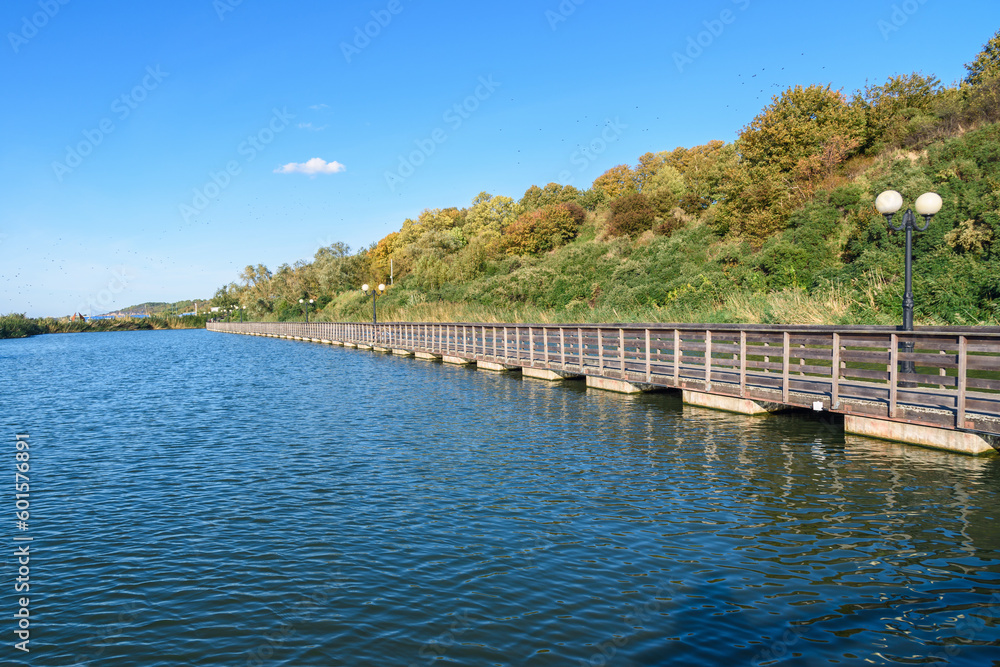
(618, 386)
(926, 436)
(458, 361)
(743, 406)
(496, 368)
(546, 374)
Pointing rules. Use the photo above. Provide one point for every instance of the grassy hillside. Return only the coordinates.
(165, 309)
(776, 227)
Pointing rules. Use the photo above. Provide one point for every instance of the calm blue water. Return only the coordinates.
(201, 498)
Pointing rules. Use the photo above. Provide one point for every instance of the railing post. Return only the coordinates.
(743, 364)
(677, 357)
(649, 365)
(708, 360)
(600, 352)
(545, 344)
(531, 346)
(562, 346)
(579, 341)
(893, 373)
(835, 374)
(963, 371)
(785, 345)
(621, 349)
(506, 355)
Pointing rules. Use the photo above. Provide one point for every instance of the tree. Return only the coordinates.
(489, 215)
(793, 144)
(553, 193)
(796, 125)
(649, 165)
(332, 267)
(616, 182)
(546, 228)
(664, 188)
(987, 63)
(890, 108)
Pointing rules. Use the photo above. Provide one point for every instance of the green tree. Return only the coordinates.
(798, 124)
(794, 143)
(893, 111)
(649, 165)
(489, 215)
(553, 193)
(987, 63)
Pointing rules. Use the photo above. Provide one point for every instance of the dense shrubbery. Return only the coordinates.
(17, 325)
(776, 226)
(631, 215)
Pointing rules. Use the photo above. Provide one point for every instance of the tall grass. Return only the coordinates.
(18, 325)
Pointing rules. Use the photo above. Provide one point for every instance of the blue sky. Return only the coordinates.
(151, 150)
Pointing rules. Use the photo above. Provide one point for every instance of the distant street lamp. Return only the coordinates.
(375, 294)
(927, 205)
(240, 309)
(305, 307)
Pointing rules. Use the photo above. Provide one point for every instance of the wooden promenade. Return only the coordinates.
(953, 394)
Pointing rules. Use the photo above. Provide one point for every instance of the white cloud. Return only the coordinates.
(310, 126)
(317, 107)
(311, 167)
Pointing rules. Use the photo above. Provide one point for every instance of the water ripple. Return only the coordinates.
(206, 499)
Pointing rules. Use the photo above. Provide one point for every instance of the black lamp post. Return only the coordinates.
(305, 307)
(928, 204)
(240, 310)
(375, 293)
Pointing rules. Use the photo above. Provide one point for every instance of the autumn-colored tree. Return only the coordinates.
(380, 255)
(546, 228)
(616, 182)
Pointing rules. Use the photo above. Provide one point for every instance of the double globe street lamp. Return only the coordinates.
(305, 307)
(927, 205)
(375, 292)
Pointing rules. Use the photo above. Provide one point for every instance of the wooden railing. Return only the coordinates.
(855, 370)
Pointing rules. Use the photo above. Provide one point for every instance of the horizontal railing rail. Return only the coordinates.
(954, 382)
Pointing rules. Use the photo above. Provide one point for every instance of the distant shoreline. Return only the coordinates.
(20, 326)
